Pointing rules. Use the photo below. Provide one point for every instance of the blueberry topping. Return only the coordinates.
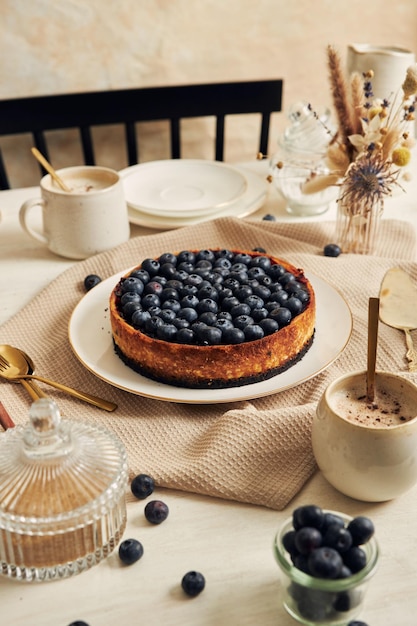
(193, 583)
(142, 486)
(332, 249)
(130, 551)
(170, 294)
(156, 512)
(91, 281)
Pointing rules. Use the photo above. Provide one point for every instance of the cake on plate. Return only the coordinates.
(212, 318)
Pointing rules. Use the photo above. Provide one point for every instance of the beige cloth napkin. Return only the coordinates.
(251, 451)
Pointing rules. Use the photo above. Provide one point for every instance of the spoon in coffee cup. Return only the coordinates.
(39, 157)
(373, 318)
(14, 367)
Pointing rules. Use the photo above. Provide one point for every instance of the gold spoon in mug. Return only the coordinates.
(14, 367)
(39, 157)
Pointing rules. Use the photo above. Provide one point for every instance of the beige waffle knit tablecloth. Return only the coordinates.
(251, 451)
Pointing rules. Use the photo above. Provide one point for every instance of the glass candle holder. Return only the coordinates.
(301, 155)
(317, 601)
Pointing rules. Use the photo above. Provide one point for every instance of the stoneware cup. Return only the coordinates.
(90, 219)
(358, 453)
(389, 64)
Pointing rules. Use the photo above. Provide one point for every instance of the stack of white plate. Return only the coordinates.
(174, 193)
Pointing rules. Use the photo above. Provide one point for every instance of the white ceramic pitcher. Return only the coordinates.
(389, 64)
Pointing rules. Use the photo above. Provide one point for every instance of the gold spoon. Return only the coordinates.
(34, 392)
(373, 317)
(14, 367)
(39, 157)
(37, 391)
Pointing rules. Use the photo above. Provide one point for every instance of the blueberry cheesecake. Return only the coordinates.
(212, 318)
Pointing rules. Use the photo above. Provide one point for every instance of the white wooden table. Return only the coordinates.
(230, 543)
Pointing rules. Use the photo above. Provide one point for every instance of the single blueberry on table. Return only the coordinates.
(269, 218)
(78, 623)
(91, 281)
(130, 551)
(156, 511)
(332, 249)
(142, 486)
(357, 622)
(193, 583)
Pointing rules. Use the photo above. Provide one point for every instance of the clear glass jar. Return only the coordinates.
(62, 495)
(301, 155)
(319, 602)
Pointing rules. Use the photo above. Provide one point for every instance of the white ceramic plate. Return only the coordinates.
(252, 200)
(91, 340)
(182, 187)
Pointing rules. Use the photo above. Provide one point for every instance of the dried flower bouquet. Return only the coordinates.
(369, 149)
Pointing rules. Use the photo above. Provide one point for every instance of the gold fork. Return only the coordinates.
(12, 372)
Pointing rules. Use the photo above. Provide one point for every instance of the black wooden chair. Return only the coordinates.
(39, 114)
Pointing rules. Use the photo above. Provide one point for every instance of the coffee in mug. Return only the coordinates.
(91, 218)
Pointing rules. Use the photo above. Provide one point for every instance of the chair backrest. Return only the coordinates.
(39, 114)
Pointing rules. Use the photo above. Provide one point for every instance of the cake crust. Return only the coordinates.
(216, 366)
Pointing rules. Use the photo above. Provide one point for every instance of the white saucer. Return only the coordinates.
(252, 200)
(182, 187)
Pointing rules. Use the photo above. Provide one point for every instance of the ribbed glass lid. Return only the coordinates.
(53, 467)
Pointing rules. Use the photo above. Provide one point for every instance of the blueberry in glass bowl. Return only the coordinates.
(326, 560)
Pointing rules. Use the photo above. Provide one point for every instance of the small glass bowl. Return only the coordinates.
(317, 601)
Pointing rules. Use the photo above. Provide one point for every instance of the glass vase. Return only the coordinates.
(357, 224)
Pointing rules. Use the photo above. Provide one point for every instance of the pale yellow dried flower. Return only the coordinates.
(409, 85)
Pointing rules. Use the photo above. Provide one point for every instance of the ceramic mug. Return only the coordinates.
(389, 64)
(367, 454)
(91, 218)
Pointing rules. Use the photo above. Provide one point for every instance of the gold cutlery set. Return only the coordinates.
(17, 366)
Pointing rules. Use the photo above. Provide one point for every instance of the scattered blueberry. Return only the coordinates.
(357, 622)
(78, 623)
(269, 218)
(142, 486)
(193, 583)
(130, 551)
(332, 249)
(91, 281)
(156, 512)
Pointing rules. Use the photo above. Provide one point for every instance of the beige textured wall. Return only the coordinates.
(61, 46)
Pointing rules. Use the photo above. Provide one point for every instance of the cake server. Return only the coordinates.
(398, 308)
